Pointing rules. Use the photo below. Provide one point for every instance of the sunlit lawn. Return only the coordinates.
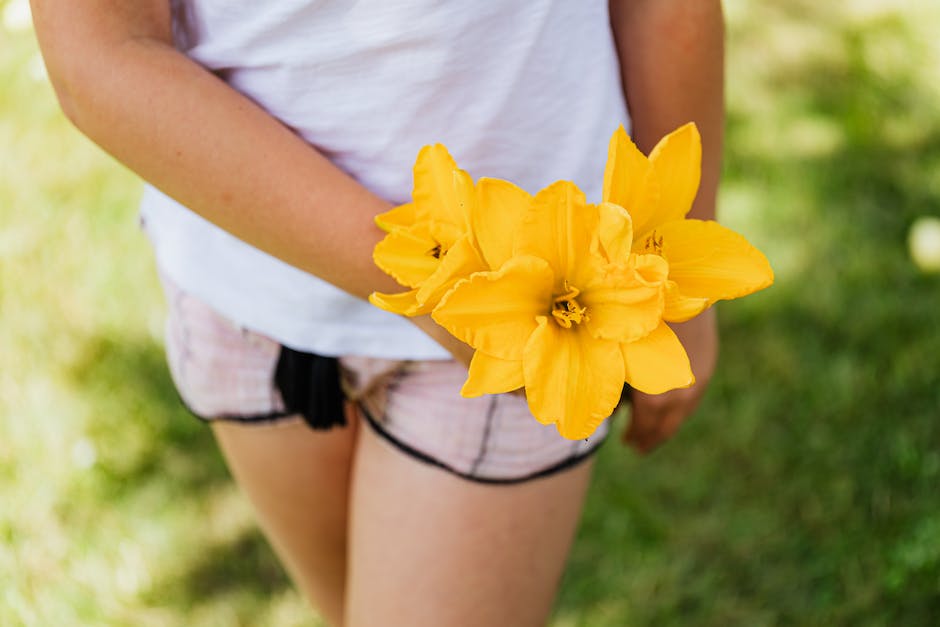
(805, 492)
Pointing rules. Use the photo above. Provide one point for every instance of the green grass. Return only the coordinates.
(803, 493)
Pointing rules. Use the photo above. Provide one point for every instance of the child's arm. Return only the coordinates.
(122, 83)
(672, 67)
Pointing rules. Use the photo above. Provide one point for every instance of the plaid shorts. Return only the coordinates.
(225, 372)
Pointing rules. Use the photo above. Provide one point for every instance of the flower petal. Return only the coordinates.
(677, 162)
(457, 263)
(402, 216)
(615, 231)
(407, 254)
(629, 181)
(495, 311)
(447, 229)
(499, 209)
(492, 375)
(434, 193)
(657, 363)
(571, 378)
(707, 260)
(559, 227)
(620, 306)
(445, 234)
(403, 303)
(650, 269)
(680, 308)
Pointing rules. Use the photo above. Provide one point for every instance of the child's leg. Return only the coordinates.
(431, 549)
(298, 481)
(297, 478)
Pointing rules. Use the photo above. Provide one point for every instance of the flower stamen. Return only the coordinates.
(565, 309)
(653, 243)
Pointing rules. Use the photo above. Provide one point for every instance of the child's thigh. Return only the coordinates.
(298, 481)
(430, 548)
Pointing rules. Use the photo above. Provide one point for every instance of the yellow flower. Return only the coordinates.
(707, 262)
(554, 315)
(431, 241)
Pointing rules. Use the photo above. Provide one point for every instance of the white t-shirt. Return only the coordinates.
(525, 91)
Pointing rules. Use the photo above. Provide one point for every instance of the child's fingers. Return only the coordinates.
(645, 418)
(656, 418)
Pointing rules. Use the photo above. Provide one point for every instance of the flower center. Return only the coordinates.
(653, 243)
(437, 252)
(566, 310)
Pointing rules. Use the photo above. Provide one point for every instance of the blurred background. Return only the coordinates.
(806, 491)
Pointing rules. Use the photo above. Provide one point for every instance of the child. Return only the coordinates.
(274, 133)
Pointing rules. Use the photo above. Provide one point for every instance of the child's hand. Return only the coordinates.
(655, 418)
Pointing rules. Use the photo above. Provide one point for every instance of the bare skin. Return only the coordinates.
(298, 482)
(361, 527)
